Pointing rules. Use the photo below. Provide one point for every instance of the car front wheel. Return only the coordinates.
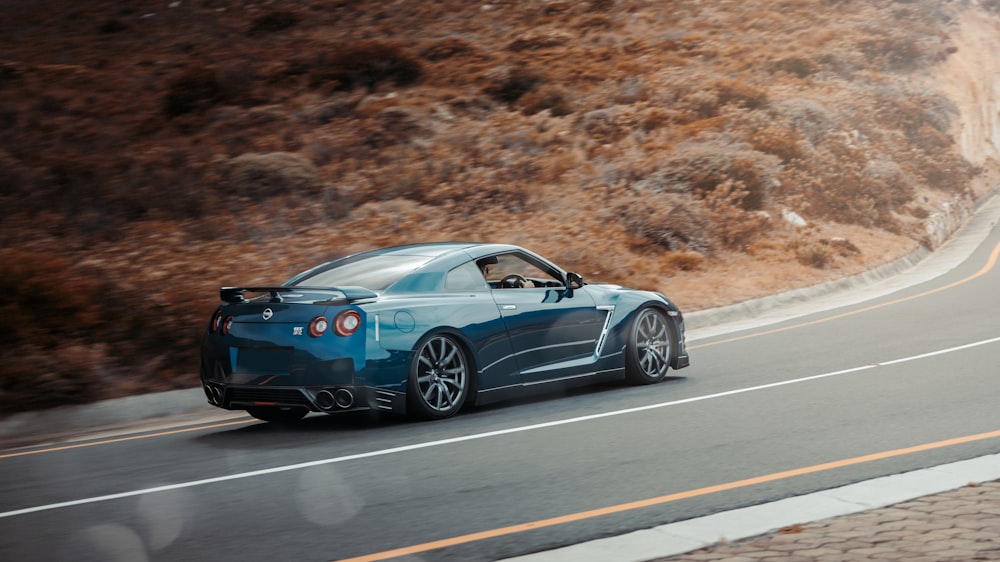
(649, 347)
(439, 378)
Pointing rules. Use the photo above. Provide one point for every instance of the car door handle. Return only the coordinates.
(508, 307)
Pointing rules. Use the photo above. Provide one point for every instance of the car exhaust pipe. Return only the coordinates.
(343, 398)
(213, 393)
(325, 400)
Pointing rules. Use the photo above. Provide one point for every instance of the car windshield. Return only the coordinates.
(374, 272)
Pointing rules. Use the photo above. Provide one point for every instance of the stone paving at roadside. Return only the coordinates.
(958, 525)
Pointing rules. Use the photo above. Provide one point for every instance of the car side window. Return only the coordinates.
(465, 277)
(517, 271)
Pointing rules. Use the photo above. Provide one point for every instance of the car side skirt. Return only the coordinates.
(514, 391)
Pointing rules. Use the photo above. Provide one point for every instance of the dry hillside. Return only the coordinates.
(153, 151)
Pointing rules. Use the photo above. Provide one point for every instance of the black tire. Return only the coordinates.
(440, 378)
(278, 415)
(650, 345)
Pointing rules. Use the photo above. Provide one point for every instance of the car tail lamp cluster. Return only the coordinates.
(219, 324)
(345, 324)
(318, 326)
(216, 321)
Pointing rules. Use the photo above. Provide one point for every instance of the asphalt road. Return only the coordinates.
(848, 394)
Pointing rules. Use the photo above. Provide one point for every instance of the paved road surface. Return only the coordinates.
(766, 413)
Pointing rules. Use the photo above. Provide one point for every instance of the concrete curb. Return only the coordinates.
(684, 536)
(64, 420)
(757, 307)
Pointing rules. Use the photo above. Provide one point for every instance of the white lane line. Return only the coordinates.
(438, 443)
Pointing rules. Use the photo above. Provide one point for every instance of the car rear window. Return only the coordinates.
(373, 272)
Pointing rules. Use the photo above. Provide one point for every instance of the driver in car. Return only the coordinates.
(511, 281)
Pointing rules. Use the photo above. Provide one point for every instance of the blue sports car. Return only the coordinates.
(426, 329)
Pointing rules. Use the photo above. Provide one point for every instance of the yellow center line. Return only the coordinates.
(580, 516)
(986, 268)
(122, 439)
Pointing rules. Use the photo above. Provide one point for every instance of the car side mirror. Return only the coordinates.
(573, 281)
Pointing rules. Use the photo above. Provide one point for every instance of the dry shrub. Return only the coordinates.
(942, 170)
(834, 183)
(781, 142)
(594, 21)
(824, 253)
(912, 114)
(653, 119)
(112, 26)
(736, 228)
(273, 21)
(903, 51)
(497, 194)
(671, 221)
(711, 124)
(553, 98)
(739, 93)
(604, 5)
(260, 175)
(507, 85)
(931, 140)
(603, 125)
(392, 126)
(800, 66)
(194, 90)
(44, 304)
(367, 64)
(73, 338)
(888, 178)
(699, 166)
(684, 261)
(198, 88)
(38, 378)
(535, 41)
(813, 121)
(447, 48)
(814, 255)
(52, 319)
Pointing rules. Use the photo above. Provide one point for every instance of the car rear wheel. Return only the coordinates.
(439, 378)
(650, 344)
(278, 415)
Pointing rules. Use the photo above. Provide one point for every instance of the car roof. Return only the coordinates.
(431, 249)
(464, 250)
(441, 257)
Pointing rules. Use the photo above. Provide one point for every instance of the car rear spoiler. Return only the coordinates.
(337, 294)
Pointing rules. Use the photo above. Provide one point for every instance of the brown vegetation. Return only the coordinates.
(152, 153)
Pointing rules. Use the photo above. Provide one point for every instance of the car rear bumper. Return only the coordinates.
(331, 399)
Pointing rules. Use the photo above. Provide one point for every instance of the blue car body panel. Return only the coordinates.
(260, 352)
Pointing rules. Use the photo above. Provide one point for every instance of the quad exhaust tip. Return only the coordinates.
(213, 393)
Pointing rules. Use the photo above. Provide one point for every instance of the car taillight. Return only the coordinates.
(226, 325)
(347, 322)
(318, 326)
(216, 320)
